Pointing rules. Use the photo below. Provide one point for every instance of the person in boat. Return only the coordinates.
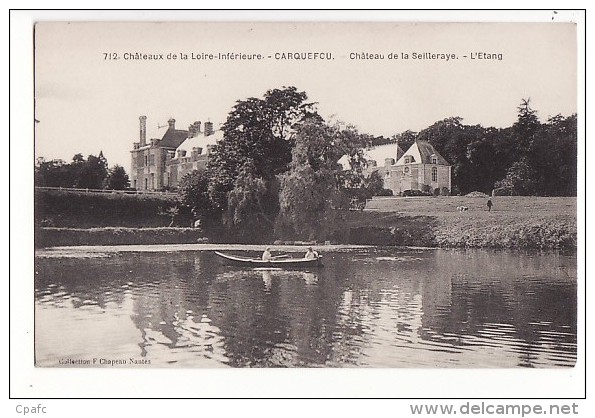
(310, 254)
(266, 255)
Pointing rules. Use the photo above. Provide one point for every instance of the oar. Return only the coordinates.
(280, 256)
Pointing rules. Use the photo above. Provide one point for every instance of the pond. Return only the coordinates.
(371, 307)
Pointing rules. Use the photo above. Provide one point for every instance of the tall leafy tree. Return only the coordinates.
(117, 178)
(92, 173)
(451, 138)
(553, 155)
(316, 183)
(521, 179)
(526, 126)
(258, 132)
(253, 204)
(193, 193)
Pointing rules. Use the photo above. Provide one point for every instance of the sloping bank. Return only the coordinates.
(53, 237)
(361, 228)
(545, 232)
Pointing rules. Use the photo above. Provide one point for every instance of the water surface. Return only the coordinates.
(365, 308)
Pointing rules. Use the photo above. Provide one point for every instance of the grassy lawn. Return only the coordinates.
(514, 222)
(446, 206)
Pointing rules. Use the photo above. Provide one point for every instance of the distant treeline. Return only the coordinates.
(92, 173)
(530, 158)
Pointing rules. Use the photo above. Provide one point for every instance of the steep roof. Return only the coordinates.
(173, 138)
(200, 141)
(381, 152)
(378, 153)
(422, 153)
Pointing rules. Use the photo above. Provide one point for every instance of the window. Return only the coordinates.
(434, 174)
(405, 170)
(407, 160)
(146, 160)
(152, 159)
(387, 175)
(434, 159)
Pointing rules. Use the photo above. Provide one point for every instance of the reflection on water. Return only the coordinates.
(365, 308)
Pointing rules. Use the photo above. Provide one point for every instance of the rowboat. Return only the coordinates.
(288, 262)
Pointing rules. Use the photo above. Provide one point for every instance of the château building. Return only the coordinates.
(159, 164)
(420, 167)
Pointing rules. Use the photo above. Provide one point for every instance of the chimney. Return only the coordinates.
(194, 130)
(208, 128)
(172, 123)
(191, 131)
(143, 130)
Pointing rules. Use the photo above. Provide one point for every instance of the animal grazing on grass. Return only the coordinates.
(462, 208)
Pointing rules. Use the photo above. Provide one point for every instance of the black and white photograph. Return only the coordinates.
(312, 195)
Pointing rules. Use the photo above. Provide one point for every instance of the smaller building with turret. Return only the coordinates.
(421, 167)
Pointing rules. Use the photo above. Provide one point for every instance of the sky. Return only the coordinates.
(86, 102)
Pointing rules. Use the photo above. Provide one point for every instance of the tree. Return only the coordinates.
(482, 165)
(306, 202)
(53, 173)
(117, 179)
(405, 139)
(374, 185)
(257, 132)
(520, 180)
(252, 205)
(316, 183)
(526, 126)
(91, 174)
(193, 192)
(451, 139)
(553, 155)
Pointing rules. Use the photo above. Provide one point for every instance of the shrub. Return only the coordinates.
(408, 193)
(444, 191)
(50, 237)
(437, 191)
(385, 192)
(504, 191)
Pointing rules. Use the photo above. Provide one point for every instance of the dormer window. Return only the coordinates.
(434, 159)
(407, 159)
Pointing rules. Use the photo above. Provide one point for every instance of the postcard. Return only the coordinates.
(395, 197)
